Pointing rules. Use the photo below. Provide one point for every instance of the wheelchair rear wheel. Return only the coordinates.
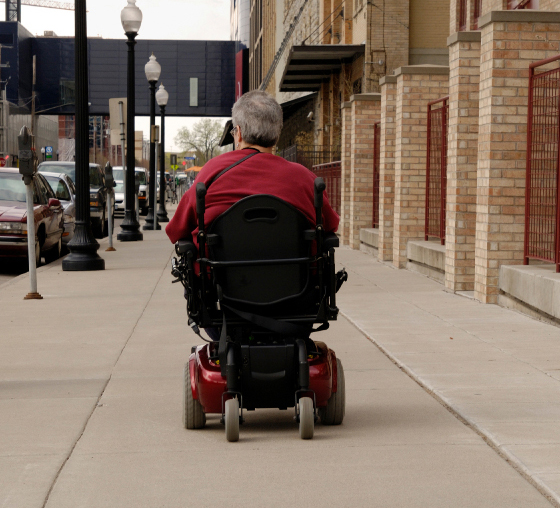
(193, 414)
(232, 420)
(333, 414)
(306, 418)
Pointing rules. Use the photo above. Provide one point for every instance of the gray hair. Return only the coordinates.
(260, 118)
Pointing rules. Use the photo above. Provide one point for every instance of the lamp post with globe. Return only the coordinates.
(153, 72)
(131, 19)
(83, 246)
(162, 97)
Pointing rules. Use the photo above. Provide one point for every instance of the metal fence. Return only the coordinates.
(436, 169)
(376, 169)
(331, 174)
(310, 155)
(542, 207)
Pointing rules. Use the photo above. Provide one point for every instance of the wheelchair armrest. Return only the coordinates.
(183, 246)
(331, 241)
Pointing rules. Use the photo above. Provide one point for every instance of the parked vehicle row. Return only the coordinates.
(97, 191)
(48, 217)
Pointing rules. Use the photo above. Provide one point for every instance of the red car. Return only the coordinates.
(49, 222)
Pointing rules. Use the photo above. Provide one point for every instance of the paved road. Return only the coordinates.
(91, 416)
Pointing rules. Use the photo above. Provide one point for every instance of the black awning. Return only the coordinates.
(310, 66)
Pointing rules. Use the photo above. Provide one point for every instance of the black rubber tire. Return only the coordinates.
(306, 418)
(333, 414)
(54, 253)
(232, 420)
(193, 414)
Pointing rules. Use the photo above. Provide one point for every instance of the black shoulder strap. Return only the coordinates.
(230, 167)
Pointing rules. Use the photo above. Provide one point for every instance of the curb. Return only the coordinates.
(488, 438)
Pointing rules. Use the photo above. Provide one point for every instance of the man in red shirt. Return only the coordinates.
(257, 118)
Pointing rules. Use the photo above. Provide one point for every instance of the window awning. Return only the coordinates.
(310, 66)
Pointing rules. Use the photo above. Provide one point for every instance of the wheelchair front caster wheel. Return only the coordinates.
(306, 418)
(232, 420)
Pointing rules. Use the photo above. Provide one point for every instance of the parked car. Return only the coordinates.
(48, 216)
(65, 192)
(97, 191)
(120, 190)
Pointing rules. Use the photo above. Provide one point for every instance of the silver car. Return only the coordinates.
(120, 190)
(65, 192)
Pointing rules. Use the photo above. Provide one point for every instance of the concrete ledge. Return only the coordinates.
(365, 97)
(463, 37)
(345, 105)
(423, 69)
(369, 241)
(387, 79)
(521, 16)
(370, 236)
(427, 258)
(535, 286)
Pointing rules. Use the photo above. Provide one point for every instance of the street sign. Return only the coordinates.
(49, 152)
(189, 158)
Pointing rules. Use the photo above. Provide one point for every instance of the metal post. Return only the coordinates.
(162, 212)
(152, 190)
(83, 247)
(110, 206)
(123, 151)
(31, 245)
(130, 228)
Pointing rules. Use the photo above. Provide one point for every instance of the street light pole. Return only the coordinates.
(162, 96)
(131, 18)
(83, 247)
(153, 71)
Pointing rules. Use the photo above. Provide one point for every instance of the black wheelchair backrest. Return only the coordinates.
(267, 229)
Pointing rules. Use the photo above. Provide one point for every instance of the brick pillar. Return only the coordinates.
(346, 149)
(462, 159)
(416, 86)
(510, 41)
(365, 111)
(387, 167)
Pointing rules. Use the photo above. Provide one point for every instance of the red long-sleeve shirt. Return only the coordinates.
(261, 174)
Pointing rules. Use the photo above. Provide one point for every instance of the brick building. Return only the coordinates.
(358, 82)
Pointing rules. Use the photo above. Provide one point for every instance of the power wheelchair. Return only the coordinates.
(261, 277)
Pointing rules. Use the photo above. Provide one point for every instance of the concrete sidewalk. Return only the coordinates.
(496, 369)
(91, 389)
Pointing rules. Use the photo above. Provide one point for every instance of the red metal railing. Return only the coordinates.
(542, 193)
(436, 169)
(331, 174)
(376, 168)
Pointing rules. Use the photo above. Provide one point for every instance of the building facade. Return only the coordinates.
(424, 106)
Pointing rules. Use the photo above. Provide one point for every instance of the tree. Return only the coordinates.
(203, 138)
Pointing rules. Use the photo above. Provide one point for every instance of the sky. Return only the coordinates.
(162, 19)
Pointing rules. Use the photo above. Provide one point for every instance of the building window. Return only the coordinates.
(477, 12)
(462, 15)
(522, 4)
(193, 103)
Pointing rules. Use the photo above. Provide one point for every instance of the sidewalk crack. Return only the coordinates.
(96, 405)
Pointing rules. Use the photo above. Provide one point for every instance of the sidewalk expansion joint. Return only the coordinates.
(96, 405)
(486, 436)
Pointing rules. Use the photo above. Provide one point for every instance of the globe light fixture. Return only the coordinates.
(131, 18)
